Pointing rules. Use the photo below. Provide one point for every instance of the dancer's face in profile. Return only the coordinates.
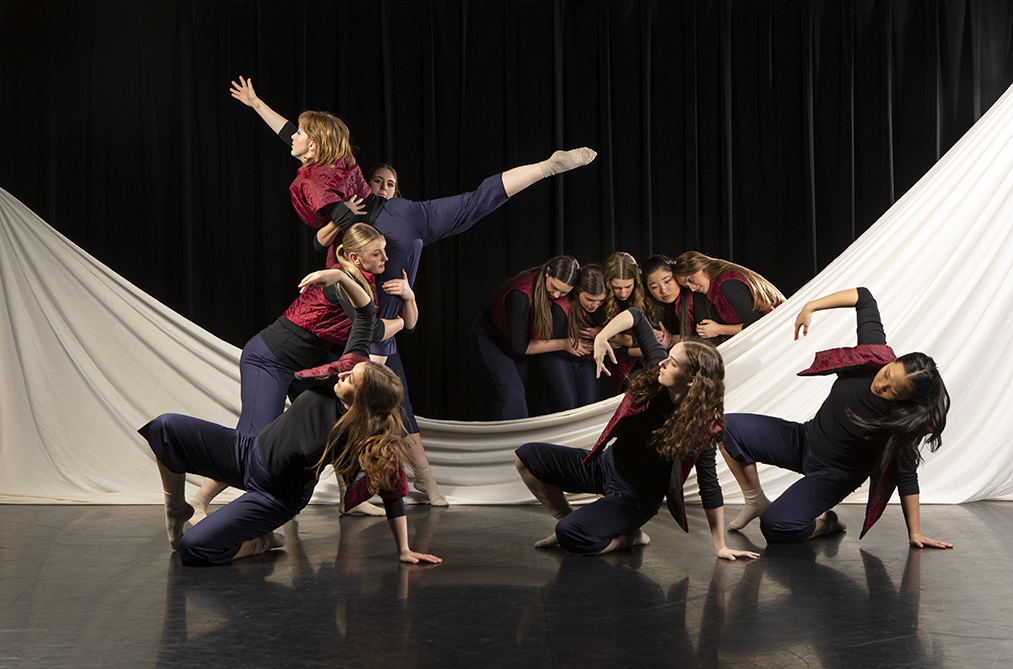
(348, 383)
(698, 283)
(383, 183)
(621, 288)
(302, 147)
(590, 303)
(373, 259)
(672, 371)
(556, 288)
(891, 382)
(662, 285)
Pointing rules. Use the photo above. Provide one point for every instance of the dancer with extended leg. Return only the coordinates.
(879, 410)
(668, 423)
(408, 226)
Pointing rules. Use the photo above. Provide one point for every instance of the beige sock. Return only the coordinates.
(177, 512)
(564, 161)
(266, 542)
(826, 524)
(368, 509)
(200, 503)
(756, 503)
(425, 483)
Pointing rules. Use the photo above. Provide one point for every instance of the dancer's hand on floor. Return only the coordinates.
(924, 542)
(415, 558)
(727, 553)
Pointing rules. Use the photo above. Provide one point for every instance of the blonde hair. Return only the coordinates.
(370, 436)
(356, 240)
(765, 294)
(330, 135)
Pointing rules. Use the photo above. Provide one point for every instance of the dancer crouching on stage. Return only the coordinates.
(717, 298)
(671, 417)
(353, 425)
(879, 410)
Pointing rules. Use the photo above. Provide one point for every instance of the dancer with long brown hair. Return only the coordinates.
(668, 423)
(351, 422)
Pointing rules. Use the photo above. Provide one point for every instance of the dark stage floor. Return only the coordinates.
(97, 586)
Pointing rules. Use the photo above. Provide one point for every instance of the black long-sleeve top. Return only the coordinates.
(833, 437)
(639, 463)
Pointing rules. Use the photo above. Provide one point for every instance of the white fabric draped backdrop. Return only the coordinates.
(87, 357)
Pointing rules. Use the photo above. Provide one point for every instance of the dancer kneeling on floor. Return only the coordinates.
(669, 421)
(353, 425)
(871, 425)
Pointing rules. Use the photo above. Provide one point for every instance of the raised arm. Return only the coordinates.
(839, 300)
(326, 277)
(243, 91)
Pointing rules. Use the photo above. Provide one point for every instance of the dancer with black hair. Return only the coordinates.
(871, 425)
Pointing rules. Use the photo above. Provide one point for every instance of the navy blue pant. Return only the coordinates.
(394, 363)
(592, 527)
(190, 445)
(569, 382)
(503, 375)
(751, 438)
(265, 382)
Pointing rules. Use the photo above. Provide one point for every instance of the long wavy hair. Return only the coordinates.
(370, 436)
(590, 282)
(561, 268)
(385, 166)
(920, 416)
(623, 266)
(765, 294)
(656, 310)
(356, 240)
(330, 135)
(699, 420)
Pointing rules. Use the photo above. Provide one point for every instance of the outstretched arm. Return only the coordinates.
(716, 521)
(844, 298)
(243, 91)
(399, 528)
(909, 503)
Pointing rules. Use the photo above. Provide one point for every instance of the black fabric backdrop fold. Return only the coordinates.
(768, 132)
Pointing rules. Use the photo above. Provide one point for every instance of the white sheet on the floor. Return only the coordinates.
(87, 357)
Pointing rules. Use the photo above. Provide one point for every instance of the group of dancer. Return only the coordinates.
(332, 354)
(552, 313)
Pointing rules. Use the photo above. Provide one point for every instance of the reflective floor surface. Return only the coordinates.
(98, 587)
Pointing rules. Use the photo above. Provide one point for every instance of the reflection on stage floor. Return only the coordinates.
(98, 586)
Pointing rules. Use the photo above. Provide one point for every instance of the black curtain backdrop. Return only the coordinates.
(768, 132)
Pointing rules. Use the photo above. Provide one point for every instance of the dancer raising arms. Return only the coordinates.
(353, 425)
(671, 417)
(717, 298)
(519, 324)
(408, 227)
(878, 411)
